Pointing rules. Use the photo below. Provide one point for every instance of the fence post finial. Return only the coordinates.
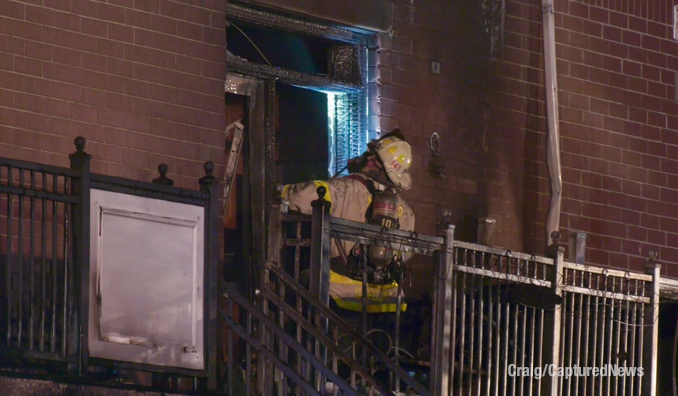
(321, 201)
(163, 180)
(554, 248)
(207, 181)
(80, 153)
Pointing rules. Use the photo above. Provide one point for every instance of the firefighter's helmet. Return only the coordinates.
(396, 156)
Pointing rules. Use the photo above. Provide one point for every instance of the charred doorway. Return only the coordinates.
(302, 134)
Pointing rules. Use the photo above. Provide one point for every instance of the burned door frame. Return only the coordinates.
(348, 74)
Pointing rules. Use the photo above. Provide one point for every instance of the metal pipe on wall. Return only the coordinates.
(553, 145)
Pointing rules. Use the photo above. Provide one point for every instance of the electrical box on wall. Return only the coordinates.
(146, 285)
(435, 67)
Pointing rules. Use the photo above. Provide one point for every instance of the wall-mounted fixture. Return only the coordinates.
(577, 248)
(435, 67)
(436, 167)
(435, 144)
(486, 231)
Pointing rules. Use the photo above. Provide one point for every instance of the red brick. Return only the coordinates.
(93, 62)
(164, 24)
(83, 113)
(57, 144)
(83, 42)
(159, 41)
(6, 98)
(12, 45)
(189, 31)
(28, 66)
(58, 108)
(93, 27)
(651, 43)
(190, 99)
(172, 9)
(107, 153)
(120, 33)
(39, 15)
(110, 117)
(218, 18)
(112, 13)
(33, 103)
(28, 30)
(119, 102)
(120, 67)
(13, 9)
(37, 122)
(183, 149)
(638, 115)
(39, 51)
(198, 15)
(188, 64)
(56, 36)
(145, 142)
(92, 97)
(146, 159)
(218, 37)
(138, 19)
(38, 86)
(137, 89)
(137, 122)
(84, 7)
(28, 139)
(110, 48)
(11, 117)
(146, 73)
(214, 70)
(152, 6)
(660, 90)
(634, 54)
(66, 21)
(122, 3)
(657, 119)
(164, 93)
(163, 128)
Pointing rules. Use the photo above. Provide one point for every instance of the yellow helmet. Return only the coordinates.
(396, 156)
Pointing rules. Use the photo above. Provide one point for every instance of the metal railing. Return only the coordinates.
(513, 311)
(45, 271)
(36, 253)
(494, 312)
(608, 319)
(301, 346)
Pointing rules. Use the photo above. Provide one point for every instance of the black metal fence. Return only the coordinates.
(36, 204)
(44, 272)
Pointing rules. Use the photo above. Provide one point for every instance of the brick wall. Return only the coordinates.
(419, 102)
(617, 66)
(618, 122)
(141, 80)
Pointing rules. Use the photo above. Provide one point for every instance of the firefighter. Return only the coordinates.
(368, 194)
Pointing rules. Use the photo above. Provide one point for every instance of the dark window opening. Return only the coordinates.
(302, 135)
(300, 53)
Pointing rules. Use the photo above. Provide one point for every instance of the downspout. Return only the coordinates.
(553, 141)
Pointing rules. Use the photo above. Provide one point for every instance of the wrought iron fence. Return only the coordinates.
(608, 319)
(496, 313)
(514, 314)
(45, 279)
(36, 258)
(498, 320)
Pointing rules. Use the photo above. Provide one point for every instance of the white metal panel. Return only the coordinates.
(146, 297)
